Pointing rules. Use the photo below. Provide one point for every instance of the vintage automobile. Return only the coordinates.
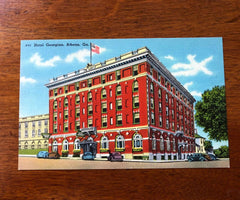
(54, 155)
(115, 156)
(212, 157)
(197, 157)
(88, 156)
(42, 154)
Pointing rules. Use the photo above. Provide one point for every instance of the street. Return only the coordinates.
(33, 163)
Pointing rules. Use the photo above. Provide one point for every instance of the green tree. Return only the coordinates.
(211, 113)
(208, 145)
(222, 152)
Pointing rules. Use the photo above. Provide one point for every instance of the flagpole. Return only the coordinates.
(90, 53)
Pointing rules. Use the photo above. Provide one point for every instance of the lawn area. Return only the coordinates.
(30, 151)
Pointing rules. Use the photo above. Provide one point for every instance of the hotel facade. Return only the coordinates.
(136, 105)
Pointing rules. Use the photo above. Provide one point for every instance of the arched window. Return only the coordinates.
(65, 102)
(137, 141)
(120, 143)
(103, 94)
(135, 86)
(168, 144)
(161, 143)
(77, 99)
(118, 90)
(104, 143)
(159, 93)
(65, 145)
(55, 146)
(154, 142)
(89, 97)
(77, 144)
(26, 145)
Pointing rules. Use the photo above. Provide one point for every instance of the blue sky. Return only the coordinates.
(197, 63)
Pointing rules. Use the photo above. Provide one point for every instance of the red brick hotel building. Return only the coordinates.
(137, 106)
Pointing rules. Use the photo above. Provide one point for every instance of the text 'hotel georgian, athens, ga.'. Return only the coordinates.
(131, 104)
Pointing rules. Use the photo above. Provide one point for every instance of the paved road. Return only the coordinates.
(29, 163)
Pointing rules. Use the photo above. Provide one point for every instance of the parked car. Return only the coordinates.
(88, 156)
(42, 154)
(212, 157)
(54, 155)
(197, 157)
(115, 156)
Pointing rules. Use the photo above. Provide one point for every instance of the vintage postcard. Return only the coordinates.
(122, 104)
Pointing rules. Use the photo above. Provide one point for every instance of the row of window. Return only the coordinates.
(119, 143)
(26, 124)
(33, 133)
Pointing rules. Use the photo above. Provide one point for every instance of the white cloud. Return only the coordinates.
(102, 49)
(186, 85)
(38, 60)
(195, 93)
(80, 55)
(193, 68)
(169, 57)
(25, 80)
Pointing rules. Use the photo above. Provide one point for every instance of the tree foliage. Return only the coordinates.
(211, 113)
(222, 152)
(208, 145)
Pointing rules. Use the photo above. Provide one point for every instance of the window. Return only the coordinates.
(104, 142)
(77, 112)
(65, 114)
(119, 104)
(136, 118)
(77, 144)
(55, 146)
(111, 121)
(103, 94)
(118, 74)
(137, 141)
(160, 107)
(135, 70)
(151, 103)
(159, 93)
(120, 143)
(174, 144)
(90, 122)
(77, 125)
(65, 145)
(39, 123)
(89, 82)
(90, 110)
(76, 86)
(151, 70)
(104, 121)
(136, 102)
(39, 132)
(66, 126)
(55, 92)
(167, 110)
(166, 98)
(167, 124)
(89, 97)
(119, 120)
(135, 86)
(26, 124)
(151, 88)
(104, 107)
(110, 106)
(118, 90)
(103, 79)
(45, 130)
(160, 121)
(110, 93)
(161, 143)
(159, 77)
(154, 143)
(26, 133)
(65, 102)
(55, 116)
(66, 89)
(77, 99)
(55, 104)
(152, 118)
(83, 111)
(168, 144)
